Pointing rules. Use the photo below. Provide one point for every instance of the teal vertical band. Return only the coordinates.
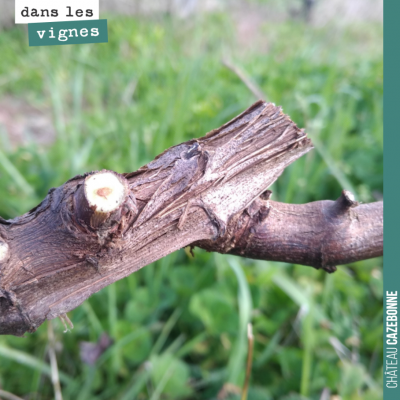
(391, 384)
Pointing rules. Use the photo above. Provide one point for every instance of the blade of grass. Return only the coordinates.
(138, 382)
(112, 326)
(269, 350)
(120, 345)
(172, 320)
(53, 362)
(175, 345)
(250, 339)
(88, 375)
(97, 327)
(238, 355)
(331, 164)
(9, 396)
(161, 384)
(31, 362)
(242, 75)
(188, 347)
(16, 176)
(308, 343)
(297, 294)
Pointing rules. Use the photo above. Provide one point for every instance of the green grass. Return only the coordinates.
(178, 325)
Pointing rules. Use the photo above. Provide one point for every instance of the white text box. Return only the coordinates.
(31, 11)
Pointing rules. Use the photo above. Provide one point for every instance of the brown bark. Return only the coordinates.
(322, 234)
(211, 191)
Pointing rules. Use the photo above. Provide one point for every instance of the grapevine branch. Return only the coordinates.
(210, 192)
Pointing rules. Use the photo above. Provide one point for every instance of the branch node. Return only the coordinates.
(347, 200)
(329, 268)
(102, 200)
(94, 262)
(266, 195)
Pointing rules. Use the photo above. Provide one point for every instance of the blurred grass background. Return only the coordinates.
(179, 325)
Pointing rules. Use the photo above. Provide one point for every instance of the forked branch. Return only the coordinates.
(211, 192)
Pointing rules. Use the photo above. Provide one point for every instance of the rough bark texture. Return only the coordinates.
(211, 191)
(322, 234)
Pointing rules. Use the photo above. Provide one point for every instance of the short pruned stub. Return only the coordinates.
(4, 251)
(99, 200)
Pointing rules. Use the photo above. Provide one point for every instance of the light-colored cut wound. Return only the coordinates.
(3, 251)
(105, 191)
